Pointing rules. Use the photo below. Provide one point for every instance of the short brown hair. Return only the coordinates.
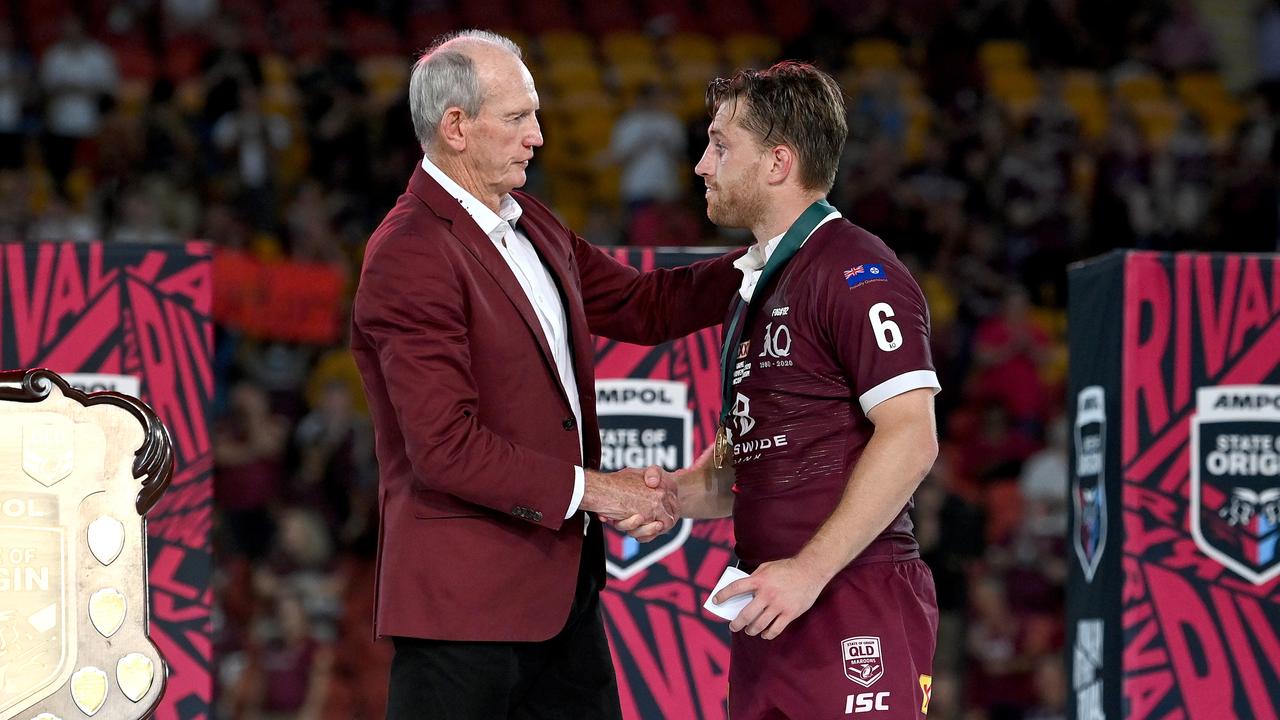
(793, 104)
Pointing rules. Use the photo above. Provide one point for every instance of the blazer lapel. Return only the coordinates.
(478, 244)
(539, 230)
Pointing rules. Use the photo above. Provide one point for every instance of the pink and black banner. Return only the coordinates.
(659, 406)
(136, 318)
(1174, 595)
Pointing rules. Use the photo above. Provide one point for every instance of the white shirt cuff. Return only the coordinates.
(897, 385)
(579, 487)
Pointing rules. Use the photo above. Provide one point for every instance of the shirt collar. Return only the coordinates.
(509, 211)
(758, 255)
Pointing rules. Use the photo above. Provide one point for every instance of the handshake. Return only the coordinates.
(644, 503)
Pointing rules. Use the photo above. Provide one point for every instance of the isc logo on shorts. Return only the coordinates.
(862, 661)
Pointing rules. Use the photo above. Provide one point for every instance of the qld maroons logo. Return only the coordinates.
(863, 662)
(1235, 478)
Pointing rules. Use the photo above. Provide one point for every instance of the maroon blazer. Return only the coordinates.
(475, 438)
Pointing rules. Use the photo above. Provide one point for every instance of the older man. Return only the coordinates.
(472, 330)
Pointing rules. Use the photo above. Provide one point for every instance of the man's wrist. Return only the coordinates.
(815, 563)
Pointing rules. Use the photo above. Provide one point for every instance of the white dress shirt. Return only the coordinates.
(539, 288)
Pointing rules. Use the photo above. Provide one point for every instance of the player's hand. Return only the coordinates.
(635, 526)
(784, 589)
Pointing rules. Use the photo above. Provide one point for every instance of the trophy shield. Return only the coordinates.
(78, 474)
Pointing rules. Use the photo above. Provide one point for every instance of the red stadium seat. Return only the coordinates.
(368, 36)
(183, 55)
(426, 26)
(787, 19)
(674, 15)
(547, 16)
(732, 17)
(134, 59)
(496, 15)
(44, 23)
(609, 16)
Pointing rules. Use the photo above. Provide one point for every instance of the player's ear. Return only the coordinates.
(782, 163)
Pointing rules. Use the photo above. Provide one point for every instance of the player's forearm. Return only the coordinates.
(890, 469)
(705, 491)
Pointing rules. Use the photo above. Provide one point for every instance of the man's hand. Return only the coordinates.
(784, 590)
(636, 526)
(645, 500)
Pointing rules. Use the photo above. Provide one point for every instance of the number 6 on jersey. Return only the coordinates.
(888, 336)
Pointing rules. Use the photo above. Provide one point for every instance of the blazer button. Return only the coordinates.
(569, 423)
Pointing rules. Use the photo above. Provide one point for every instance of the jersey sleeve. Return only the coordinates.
(877, 324)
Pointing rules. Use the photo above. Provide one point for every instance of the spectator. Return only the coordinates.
(76, 74)
(15, 86)
(1010, 350)
(248, 474)
(648, 141)
(1044, 484)
(250, 139)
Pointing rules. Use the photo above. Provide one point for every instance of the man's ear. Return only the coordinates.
(453, 129)
(781, 162)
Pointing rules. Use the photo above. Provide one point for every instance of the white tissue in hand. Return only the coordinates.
(730, 608)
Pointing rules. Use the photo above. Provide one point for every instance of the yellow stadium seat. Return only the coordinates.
(133, 95)
(570, 76)
(691, 103)
(564, 45)
(1138, 88)
(573, 213)
(1002, 55)
(630, 77)
(281, 99)
(744, 51)
(869, 54)
(587, 100)
(692, 47)
(694, 74)
(1158, 119)
(592, 130)
(386, 77)
(1208, 97)
(605, 186)
(1082, 91)
(1017, 89)
(276, 70)
(627, 47)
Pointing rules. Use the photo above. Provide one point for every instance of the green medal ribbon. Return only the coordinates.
(787, 248)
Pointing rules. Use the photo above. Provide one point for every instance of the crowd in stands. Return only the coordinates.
(991, 143)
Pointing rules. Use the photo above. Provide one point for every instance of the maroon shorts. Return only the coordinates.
(864, 650)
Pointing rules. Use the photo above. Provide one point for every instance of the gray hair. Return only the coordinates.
(445, 77)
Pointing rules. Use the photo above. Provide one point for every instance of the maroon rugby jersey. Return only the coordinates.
(844, 328)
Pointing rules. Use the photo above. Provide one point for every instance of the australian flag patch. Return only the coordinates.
(867, 272)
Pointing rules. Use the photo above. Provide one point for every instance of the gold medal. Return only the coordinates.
(721, 450)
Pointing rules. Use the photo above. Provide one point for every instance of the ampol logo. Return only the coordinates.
(1235, 479)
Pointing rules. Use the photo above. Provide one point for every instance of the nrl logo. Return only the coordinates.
(1235, 479)
(863, 663)
(81, 472)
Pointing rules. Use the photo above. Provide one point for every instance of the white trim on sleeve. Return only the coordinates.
(897, 385)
